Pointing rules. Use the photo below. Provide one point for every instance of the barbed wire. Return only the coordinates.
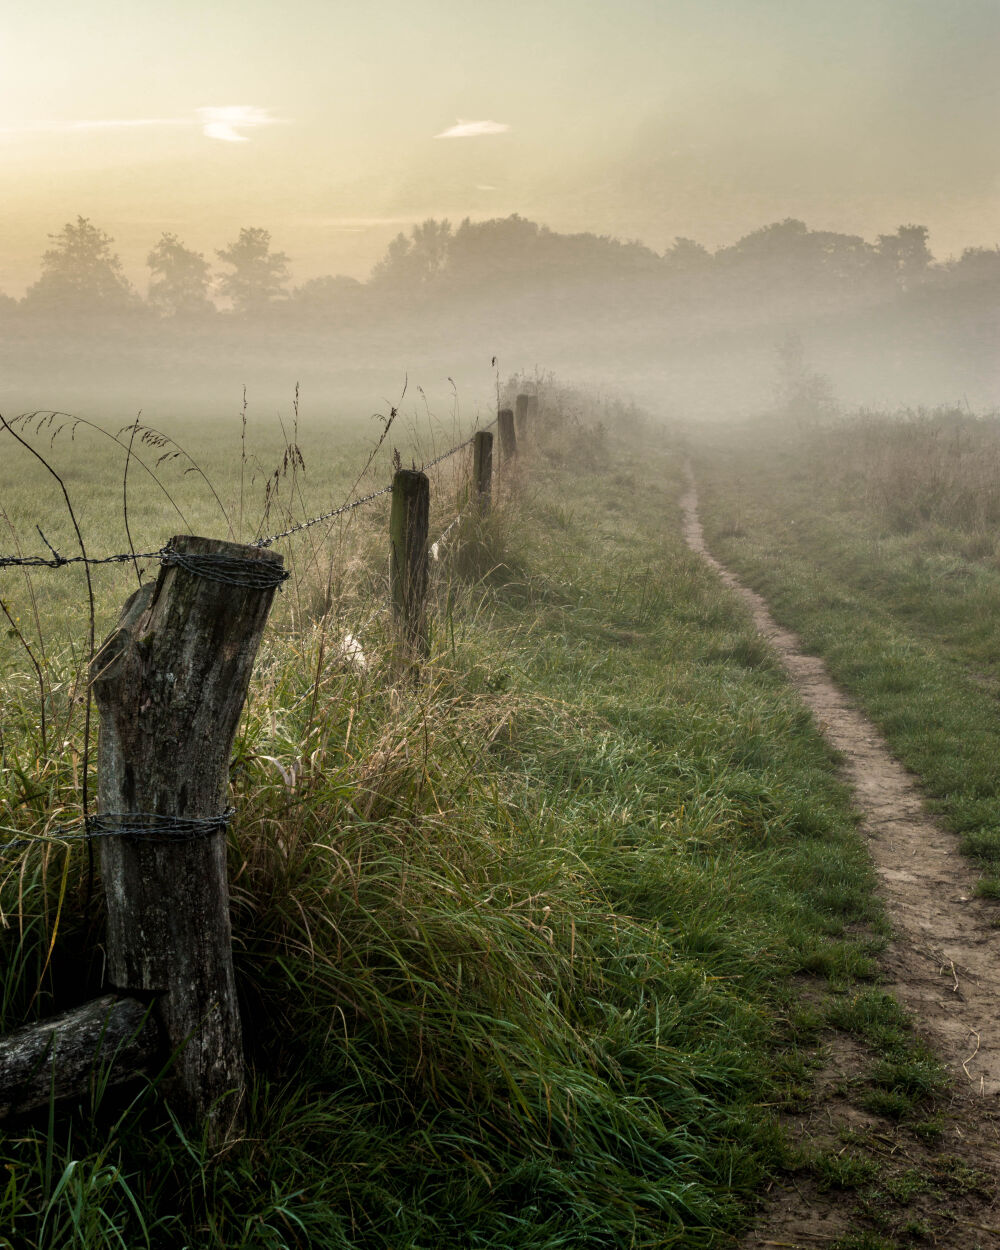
(167, 555)
(447, 530)
(451, 452)
(148, 825)
(326, 516)
(232, 570)
(214, 566)
(57, 561)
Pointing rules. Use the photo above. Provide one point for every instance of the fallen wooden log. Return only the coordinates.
(108, 1040)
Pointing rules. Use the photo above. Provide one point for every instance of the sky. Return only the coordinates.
(335, 125)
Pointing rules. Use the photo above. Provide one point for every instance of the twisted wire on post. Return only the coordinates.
(232, 570)
(148, 825)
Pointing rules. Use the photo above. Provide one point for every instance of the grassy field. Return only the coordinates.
(875, 538)
(530, 955)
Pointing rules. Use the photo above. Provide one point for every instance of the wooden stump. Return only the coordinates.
(170, 684)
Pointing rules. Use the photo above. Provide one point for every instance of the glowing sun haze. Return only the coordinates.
(324, 121)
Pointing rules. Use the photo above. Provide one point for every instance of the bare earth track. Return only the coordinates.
(944, 962)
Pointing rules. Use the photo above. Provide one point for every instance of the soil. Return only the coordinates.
(942, 965)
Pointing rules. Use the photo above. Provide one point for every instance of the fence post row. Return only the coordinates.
(170, 683)
(409, 522)
(505, 428)
(482, 469)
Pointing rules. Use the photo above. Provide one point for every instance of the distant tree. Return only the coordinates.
(685, 255)
(802, 394)
(905, 254)
(180, 279)
(779, 243)
(81, 274)
(328, 294)
(497, 251)
(417, 260)
(329, 289)
(976, 265)
(259, 275)
(513, 252)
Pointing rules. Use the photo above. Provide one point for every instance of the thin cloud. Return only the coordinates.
(227, 123)
(216, 122)
(472, 130)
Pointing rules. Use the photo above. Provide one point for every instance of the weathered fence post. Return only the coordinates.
(482, 468)
(505, 428)
(170, 683)
(521, 414)
(531, 416)
(408, 527)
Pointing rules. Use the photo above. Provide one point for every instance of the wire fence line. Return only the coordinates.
(150, 825)
(234, 570)
(166, 554)
(324, 516)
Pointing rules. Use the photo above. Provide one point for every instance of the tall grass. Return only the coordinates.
(919, 468)
(515, 945)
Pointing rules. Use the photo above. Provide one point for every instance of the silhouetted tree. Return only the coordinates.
(180, 282)
(417, 260)
(686, 256)
(493, 252)
(802, 394)
(329, 294)
(81, 274)
(259, 275)
(976, 265)
(515, 253)
(906, 254)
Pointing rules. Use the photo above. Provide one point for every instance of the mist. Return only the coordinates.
(689, 332)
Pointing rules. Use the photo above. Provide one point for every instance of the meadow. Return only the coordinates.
(532, 953)
(875, 538)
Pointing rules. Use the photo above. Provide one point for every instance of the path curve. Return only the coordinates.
(944, 964)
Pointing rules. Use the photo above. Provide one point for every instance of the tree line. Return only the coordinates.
(81, 274)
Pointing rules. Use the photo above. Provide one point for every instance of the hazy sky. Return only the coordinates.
(327, 122)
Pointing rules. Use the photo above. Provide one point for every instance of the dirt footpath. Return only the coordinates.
(944, 964)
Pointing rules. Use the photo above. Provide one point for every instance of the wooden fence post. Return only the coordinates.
(521, 414)
(505, 428)
(408, 529)
(531, 416)
(482, 469)
(170, 684)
